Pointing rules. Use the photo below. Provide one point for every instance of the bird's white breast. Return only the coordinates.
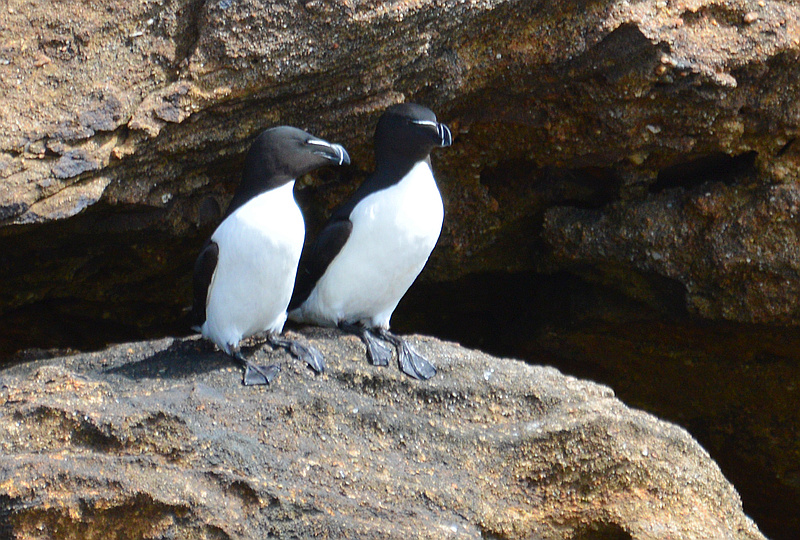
(259, 248)
(394, 232)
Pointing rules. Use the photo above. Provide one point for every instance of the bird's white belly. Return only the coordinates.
(394, 233)
(259, 248)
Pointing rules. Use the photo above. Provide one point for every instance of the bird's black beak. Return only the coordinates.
(443, 135)
(333, 152)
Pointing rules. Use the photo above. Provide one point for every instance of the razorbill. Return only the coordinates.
(244, 275)
(375, 245)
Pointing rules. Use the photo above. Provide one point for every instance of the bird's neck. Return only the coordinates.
(252, 187)
(397, 166)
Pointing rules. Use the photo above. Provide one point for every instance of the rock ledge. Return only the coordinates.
(160, 440)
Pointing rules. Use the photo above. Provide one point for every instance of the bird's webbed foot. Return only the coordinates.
(411, 362)
(377, 351)
(308, 354)
(255, 375)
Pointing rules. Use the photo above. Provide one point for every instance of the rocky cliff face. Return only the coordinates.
(623, 179)
(161, 440)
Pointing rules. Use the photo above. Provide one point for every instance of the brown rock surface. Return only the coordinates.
(735, 249)
(161, 440)
(644, 150)
(134, 115)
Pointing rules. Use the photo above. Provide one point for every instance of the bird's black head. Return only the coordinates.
(284, 153)
(409, 132)
(280, 155)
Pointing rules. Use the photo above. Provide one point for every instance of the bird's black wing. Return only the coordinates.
(203, 272)
(336, 232)
(325, 248)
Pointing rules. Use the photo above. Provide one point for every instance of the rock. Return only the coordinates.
(73, 163)
(123, 127)
(599, 110)
(734, 249)
(144, 110)
(161, 440)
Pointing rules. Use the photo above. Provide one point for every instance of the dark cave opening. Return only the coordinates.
(714, 167)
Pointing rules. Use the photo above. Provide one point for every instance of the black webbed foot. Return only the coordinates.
(411, 362)
(377, 352)
(256, 375)
(308, 354)
(414, 364)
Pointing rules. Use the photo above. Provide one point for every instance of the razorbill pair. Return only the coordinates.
(357, 270)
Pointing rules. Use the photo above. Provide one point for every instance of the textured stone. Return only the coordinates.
(161, 440)
(551, 106)
(735, 249)
(587, 135)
